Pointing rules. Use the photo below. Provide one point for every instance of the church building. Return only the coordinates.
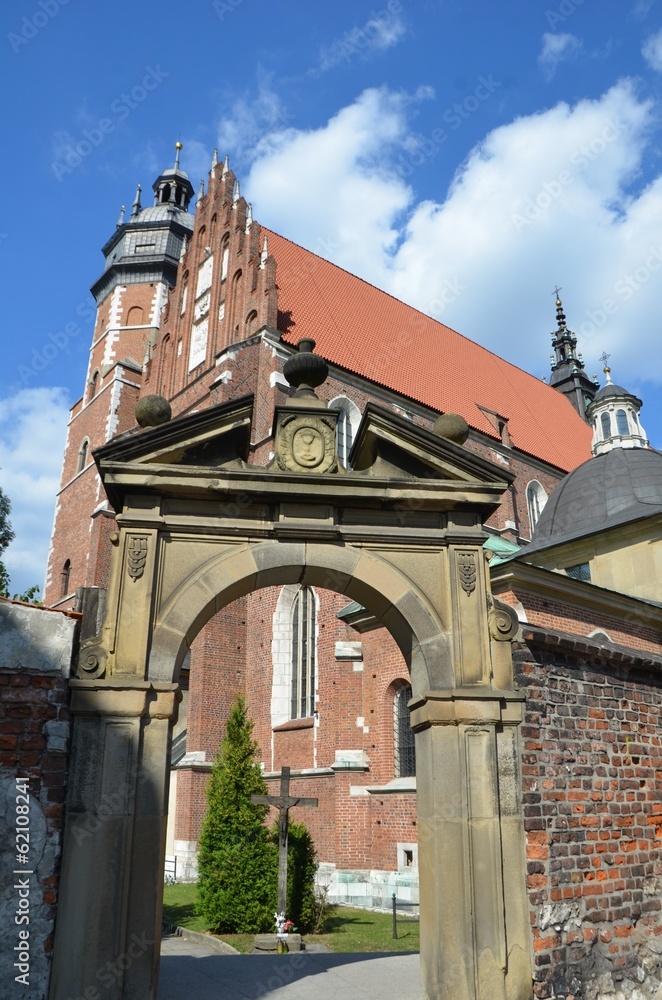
(201, 305)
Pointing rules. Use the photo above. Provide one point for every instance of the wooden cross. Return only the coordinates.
(283, 803)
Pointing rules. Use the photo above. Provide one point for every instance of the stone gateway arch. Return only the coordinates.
(400, 533)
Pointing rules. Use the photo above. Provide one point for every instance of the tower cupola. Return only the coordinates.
(173, 186)
(568, 374)
(146, 248)
(614, 414)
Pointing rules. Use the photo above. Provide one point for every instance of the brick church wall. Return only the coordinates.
(592, 784)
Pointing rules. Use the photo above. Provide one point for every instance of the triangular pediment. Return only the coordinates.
(218, 436)
(388, 446)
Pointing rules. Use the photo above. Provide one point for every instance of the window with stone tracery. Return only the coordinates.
(405, 751)
(304, 654)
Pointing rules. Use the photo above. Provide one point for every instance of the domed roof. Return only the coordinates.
(614, 488)
(164, 213)
(614, 390)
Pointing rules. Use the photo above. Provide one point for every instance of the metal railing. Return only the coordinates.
(398, 906)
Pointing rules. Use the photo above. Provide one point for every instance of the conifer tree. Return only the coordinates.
(237, 863)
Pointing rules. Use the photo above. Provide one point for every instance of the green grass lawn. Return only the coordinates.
(347, 929)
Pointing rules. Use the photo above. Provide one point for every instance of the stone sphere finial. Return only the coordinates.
(153, 410)
(451, 426)
(305, 371)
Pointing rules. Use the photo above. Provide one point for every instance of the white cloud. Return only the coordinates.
(547, 198)
(557, 49)
(652, 51)
(380, 32)
(329, 188)
(251, 120)
(32, 435)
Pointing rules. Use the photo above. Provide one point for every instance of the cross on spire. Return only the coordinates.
(283, 802)
(556, 293)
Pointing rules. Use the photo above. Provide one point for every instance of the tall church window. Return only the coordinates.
(536, 498)
(622, 422)
(405, 751)
(304, 657)
(94, 383)
(225, 256)
(606, 425)
(65, 576)
(349, 419)
(83, 455)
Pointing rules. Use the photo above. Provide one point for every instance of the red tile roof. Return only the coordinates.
(364, 330)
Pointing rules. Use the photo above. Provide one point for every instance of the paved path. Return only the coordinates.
(195, 971)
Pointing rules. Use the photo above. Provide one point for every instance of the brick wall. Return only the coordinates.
(36, 647)
(592, 784)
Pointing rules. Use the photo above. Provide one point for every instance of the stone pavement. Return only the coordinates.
(193, 970)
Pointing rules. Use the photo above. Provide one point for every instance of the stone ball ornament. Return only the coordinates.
(451, 426)
(153, 410)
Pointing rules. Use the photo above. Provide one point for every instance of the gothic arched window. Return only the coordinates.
(303, 654)
(83, 455)
(349, 418)
(65, 576)
(94, 383)
(536, 498)
(404, 749)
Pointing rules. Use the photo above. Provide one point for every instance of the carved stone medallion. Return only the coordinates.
(306, 442)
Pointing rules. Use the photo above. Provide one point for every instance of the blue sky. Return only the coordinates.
(466, 156)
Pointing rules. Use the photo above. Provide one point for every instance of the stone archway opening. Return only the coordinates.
(400, 533)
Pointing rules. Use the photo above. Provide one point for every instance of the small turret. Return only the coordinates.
(614, 414)
(568, 373)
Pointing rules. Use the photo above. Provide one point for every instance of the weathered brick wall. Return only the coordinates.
(624, 629)
(36, 647)
(592, 780)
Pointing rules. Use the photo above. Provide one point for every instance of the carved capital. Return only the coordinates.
(502, 620)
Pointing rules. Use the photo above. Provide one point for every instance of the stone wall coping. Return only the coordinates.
(535, 635)
(522, 578)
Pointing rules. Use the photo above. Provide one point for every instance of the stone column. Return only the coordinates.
(107, 938)
(474, 930)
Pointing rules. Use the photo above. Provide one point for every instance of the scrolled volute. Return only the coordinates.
(91, 659)
(502, 620)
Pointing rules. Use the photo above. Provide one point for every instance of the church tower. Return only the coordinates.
(141, 261)
(568, 374)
